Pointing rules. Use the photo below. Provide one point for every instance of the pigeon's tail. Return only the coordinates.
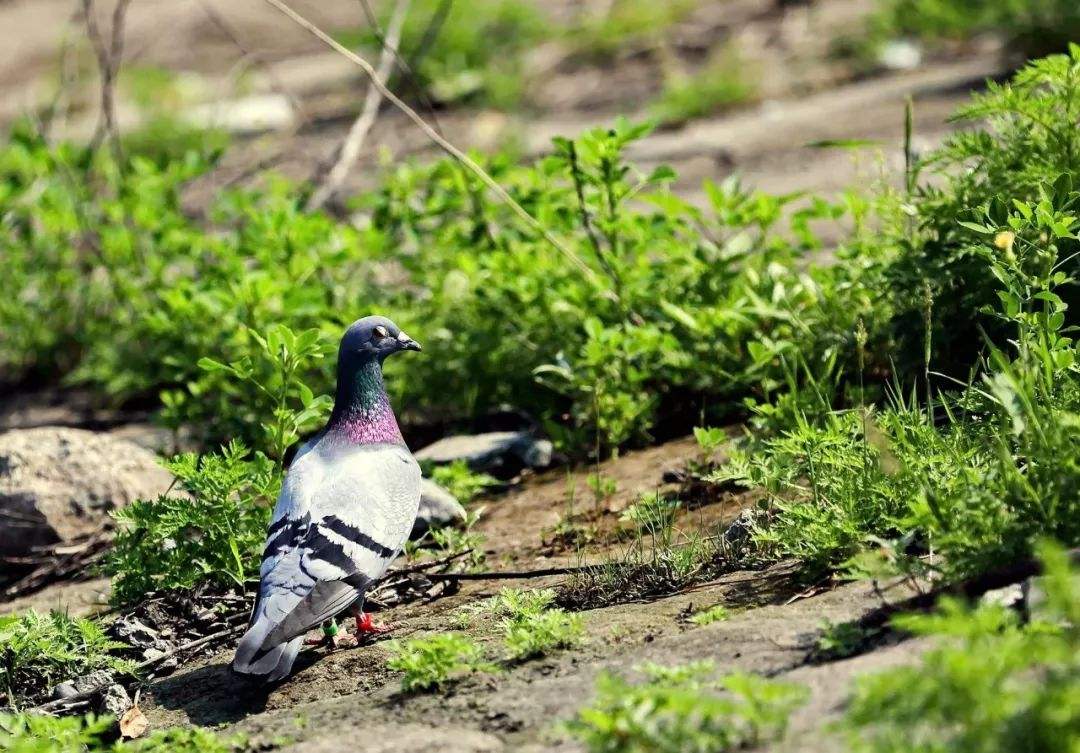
(266, 662)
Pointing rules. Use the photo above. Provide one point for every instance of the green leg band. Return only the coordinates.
(330, 629)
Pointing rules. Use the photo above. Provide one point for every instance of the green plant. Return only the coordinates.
(679, 709)
(37, 651)
(721, 83)
(515, 604)
(464, 484)
(603, 487)
(938, 281)
(709, 439)
(287, 355)
(531, 626)
(1034, 28)
(432, 662)
(653, 515)
(39, 733)
(537, 634)
(715, 613)
(213, 533)
(647, 567)
(990, 684)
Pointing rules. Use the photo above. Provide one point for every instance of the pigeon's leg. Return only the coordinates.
(365, 625)
(332, 637)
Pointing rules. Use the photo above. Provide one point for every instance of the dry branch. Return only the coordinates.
(354, 140)
(435, 137)
(108, 57)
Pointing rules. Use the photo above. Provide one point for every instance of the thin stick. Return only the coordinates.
(354, 140)
(421, 566)
(108, 58)
(512, 575)
(437, 139)
(403, 65)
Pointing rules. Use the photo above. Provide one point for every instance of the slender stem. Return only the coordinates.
(354, 141)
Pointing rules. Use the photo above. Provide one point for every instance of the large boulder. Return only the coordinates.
(438, 509)
(500, 452)
(57, 484)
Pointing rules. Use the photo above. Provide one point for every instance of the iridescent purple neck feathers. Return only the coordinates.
(362, 412)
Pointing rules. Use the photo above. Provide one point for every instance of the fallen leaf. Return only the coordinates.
(133, 723)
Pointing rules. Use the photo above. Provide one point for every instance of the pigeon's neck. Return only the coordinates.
(362, 412)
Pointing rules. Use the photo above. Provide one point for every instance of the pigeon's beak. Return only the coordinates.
(407, 343)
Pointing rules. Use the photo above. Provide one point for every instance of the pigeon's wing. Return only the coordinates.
(340, 521)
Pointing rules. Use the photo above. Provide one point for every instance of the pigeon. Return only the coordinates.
(347, 505)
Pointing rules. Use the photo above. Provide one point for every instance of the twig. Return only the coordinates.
(406, 67)
(108, 59)
(513, 574)
(421, 566)
(435, 137)
(354, 140)
(431, 33)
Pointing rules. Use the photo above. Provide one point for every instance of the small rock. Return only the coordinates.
(254, 114)
(738, 533)
(900, 55)
(57, 484)
(673, 476)
(164, 666)
(130, 630)
(93, 681)
(64, 690)
(438, 508)
(115, 700)
(1008, 597)
(494, 451)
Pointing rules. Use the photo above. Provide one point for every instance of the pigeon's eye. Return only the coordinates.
(380, 332)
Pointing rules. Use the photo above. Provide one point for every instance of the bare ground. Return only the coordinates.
(348, 697)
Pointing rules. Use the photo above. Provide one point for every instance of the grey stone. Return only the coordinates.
(64, 690)
(130, 630)
(93, 680)
(1009, 596)
(163, 667)
(57, 484)
(900, 55)
(438, 508)
(490, 451)
(737, 534)
(115, 700)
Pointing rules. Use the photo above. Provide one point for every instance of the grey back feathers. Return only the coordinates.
(344, 513)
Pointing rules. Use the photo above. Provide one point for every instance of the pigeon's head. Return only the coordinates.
(375, 337)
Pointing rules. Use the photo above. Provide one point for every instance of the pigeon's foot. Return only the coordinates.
(365, 625)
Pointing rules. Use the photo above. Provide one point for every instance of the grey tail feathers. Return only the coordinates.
(270, 663)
